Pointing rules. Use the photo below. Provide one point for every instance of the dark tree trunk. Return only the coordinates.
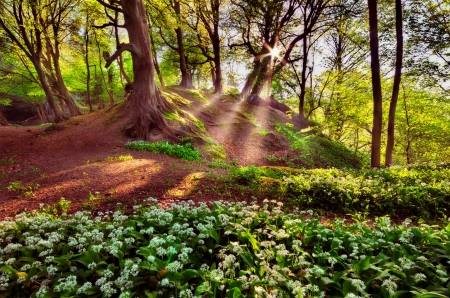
(146, 101)
(397, 80)
(186, 79)
(376, 85)
(88, 69)
(301, 105)
(218, 88)
(3, 120)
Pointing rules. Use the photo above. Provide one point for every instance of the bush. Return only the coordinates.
(184, 152)
(245, 175)
(423, 190)
(230, 250)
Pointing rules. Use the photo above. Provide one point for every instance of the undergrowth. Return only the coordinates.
(223, 250)
(319, 152)
(422, 190)
(184, 152)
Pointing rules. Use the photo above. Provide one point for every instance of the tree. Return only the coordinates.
(58, 16)
(23, 22)
(209, 14)
(268, 27)
(376, 85)
(162, 19)
(397, 80)
(146, 102)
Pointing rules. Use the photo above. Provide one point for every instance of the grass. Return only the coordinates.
(184, 152)
(319, 152)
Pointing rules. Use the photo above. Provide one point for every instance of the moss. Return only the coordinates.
(214, 151)
(197, 94)
(175, 99)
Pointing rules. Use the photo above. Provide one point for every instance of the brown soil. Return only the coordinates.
(79, 157)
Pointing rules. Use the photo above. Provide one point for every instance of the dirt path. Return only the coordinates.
(83, 156)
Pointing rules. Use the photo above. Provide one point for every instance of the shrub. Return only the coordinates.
(420, 190)
(184, 152)
(230, 250)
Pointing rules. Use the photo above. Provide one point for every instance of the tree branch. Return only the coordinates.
(120, 49)
(115, 8)
(108, 25)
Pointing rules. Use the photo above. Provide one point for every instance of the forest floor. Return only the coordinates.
(84, 160)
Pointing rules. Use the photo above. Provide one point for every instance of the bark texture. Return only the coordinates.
(145, 100)
(376, 85)
(397, 81)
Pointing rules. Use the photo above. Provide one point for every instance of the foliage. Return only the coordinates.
(230, 250)
(423, 190)
(318, 151)
(182, 151)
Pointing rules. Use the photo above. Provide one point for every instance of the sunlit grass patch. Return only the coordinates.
(120, 158)
(184, 152)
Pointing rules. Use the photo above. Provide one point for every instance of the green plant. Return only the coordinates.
(319, 152)
(182, 151)
(248, 174)
(263, 133)
(16, 186)
(271, 158)
(219, 164)
(222, 250)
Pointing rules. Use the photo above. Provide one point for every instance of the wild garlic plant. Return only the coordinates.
(218, 250)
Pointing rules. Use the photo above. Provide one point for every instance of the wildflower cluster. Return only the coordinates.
(223, 250)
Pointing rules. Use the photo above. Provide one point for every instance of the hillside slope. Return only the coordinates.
(84, 159)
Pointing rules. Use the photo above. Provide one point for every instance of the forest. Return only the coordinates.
(224, 148)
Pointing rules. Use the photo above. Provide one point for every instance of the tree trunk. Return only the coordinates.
(51, 63)
(146, 101)
(250, 80)
(123, 73)
(3, 120)
(66, 97)
(376, 85)
(58, 116)
(301, 104)
(41, 113)
(155, 61)
(186, 79)
(218, 88)
(264, 77)
(88, 69)
(100, 58)
(397, 80)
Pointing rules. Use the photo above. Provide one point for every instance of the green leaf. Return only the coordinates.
(362, 265)
(234, 293)
(213, 234)
(248, 259)
(249, 237)
(204, 287)
(189, 273)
